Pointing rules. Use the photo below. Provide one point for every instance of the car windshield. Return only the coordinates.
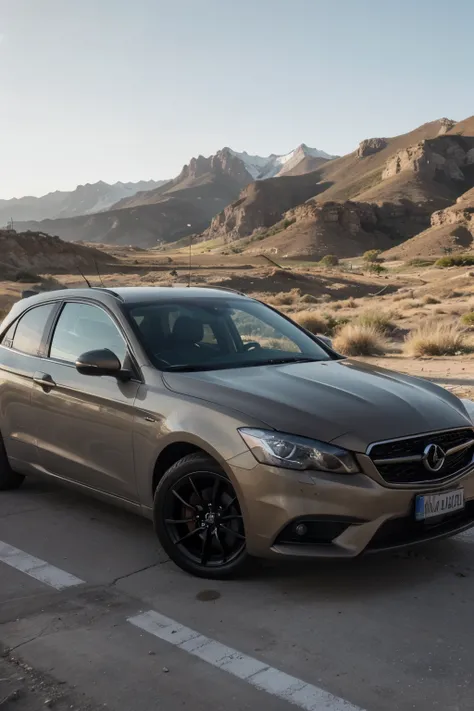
(210, 334)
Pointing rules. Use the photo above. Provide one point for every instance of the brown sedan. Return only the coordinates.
(235, 430)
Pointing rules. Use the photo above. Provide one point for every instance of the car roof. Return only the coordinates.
(131, 294)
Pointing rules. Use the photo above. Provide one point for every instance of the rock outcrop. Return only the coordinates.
(438, 158)
(370, 146)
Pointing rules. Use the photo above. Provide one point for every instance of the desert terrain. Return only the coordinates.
(412, 316)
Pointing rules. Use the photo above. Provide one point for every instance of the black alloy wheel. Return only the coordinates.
(198, 519)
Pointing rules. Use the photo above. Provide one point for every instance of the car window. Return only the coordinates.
(30, 329)
(220, 333)
(252, 329)
(7, 339)
(83, 328)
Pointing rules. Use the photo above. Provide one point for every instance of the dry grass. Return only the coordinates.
(435, 339)
(374, 318)
(429, 299)
(360, 340)
(312, 320)
(308, 299)
(284, 298)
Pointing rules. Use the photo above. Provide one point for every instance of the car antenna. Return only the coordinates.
(98, 273)
(85, 278)
(190, 257)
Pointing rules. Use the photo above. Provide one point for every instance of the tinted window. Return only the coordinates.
(30, 329)
(83, 328)
(220, 333)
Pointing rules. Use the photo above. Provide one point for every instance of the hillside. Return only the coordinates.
(180, 206)
(451, 229)
(399, 182)
(84, 200)
(40, 252)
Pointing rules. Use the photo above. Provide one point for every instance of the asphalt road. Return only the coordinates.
(89, 602)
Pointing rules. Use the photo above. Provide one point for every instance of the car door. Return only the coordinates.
(20, 358)
(86, 423)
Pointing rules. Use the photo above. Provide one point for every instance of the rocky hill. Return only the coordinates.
(181, 206)
(383, 193)
(84, 200)
(39, 252)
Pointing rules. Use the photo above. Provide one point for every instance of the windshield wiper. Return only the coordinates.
(187, 368)
(282, 361)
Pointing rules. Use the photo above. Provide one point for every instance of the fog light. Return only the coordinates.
(301, 529)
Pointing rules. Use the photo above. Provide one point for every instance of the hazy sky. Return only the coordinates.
(132, 89)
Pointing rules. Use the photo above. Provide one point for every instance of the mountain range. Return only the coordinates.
(84, 200)
(410, 194)
(165, 211)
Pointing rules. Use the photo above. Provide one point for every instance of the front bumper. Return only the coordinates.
(346, 514)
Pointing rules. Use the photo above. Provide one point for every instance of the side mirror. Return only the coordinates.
(101, 362)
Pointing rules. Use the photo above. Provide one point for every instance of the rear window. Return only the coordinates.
(30, 329)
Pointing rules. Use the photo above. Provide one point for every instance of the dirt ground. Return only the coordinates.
(25, 689)
(406, 295)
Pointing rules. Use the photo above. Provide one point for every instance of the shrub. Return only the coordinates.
(312, 320)
(372, 256)
(308, 299)
(455, 260)
(435, 339)
(375, 268)
(468, 319)
(428, 299)
(330, 260)
(359, 340)
(288, 221)
(380, 320)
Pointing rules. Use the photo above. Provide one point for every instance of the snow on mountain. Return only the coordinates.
(261, 168)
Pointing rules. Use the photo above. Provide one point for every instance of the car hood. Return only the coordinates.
(345, 400)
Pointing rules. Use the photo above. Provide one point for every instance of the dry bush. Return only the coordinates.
(308, 299)
(360, 340)
(351, 303)
(411, 304)
(284, 298)
(428, 299)
(435, 339)
(312, 320)
(380, 320)
(439, 311)
(468, 319)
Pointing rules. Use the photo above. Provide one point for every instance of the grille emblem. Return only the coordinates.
(433, 457)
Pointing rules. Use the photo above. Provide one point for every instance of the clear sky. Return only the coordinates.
(132, 89)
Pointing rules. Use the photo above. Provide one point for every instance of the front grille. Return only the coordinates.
(415, 472)
(404, 531)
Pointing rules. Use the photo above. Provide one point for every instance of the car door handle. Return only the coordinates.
(44, 379)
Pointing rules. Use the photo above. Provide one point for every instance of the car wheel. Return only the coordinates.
(8, 478)
(198, 520)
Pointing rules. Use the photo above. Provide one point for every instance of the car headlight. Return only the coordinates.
(292, 452)
(469, 405)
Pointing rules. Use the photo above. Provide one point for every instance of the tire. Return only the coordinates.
(9, 479)
(212, 548)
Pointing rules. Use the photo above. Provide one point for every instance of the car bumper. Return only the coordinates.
(345, 515)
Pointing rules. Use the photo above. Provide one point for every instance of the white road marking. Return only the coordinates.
(251, 670)
(37, 568)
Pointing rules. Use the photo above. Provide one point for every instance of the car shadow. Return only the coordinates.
(365, 577)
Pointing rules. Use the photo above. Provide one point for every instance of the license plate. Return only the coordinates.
(430, 505)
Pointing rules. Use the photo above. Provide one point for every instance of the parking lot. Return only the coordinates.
(88, 599)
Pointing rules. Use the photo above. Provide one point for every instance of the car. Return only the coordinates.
(239, 433)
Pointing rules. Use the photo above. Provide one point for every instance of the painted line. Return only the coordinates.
(253, 671)
(37, 568)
